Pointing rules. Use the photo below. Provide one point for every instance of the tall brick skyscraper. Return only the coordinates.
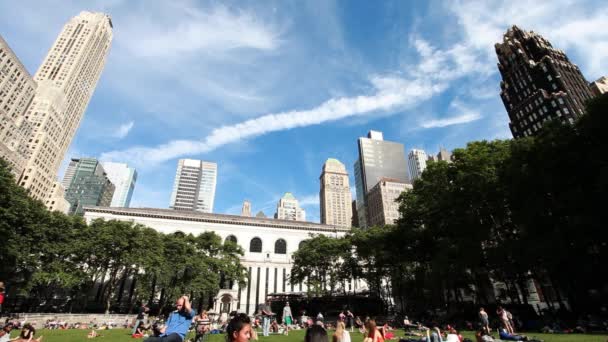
(539, 83)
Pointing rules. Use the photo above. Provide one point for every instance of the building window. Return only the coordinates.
(255, 246)
(280, 247)
(231, 238)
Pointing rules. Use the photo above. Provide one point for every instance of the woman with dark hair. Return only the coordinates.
(372, 331)
(27, 334)
(239, 329)
(316, 333)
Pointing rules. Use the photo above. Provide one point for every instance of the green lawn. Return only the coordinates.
(122, 335)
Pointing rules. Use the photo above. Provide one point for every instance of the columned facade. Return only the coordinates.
(268, 245)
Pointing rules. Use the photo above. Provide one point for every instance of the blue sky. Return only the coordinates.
(270, 89)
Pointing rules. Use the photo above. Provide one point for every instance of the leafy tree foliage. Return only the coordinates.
(48, 255)
(512, 211)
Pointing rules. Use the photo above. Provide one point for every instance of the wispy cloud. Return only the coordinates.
(455, 120)
(216, 29)
(123, 130)
(309, 201)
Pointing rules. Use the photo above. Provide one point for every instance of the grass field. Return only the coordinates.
(122, 335)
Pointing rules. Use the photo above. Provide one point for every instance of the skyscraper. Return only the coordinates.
(382, 204)
(288, 208)
(600, 86)
(16, 93)
(124, 178)
(194, 186)
(539, 82)
(90, 186)
(444, 155)
(66, 81)
(417, 163)
(377, 159)
(335, 197)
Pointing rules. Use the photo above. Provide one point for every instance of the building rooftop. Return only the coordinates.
(289, 196)
(183, 215)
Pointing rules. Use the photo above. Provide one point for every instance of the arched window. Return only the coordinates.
(255, 246)
(231, 238)
(280, 247)
(301, 244)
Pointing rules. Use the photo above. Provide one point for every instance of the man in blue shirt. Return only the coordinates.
(177, 325)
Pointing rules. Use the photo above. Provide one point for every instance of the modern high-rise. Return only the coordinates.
(335, 197)
(16, 93)
(246, 210)
(69, 173)
(377, 159)
(417, 163)
(600, 86)
(194, 186)
(124, 178)
(539, 82)
(66, 81)
(89, 186)
(288, 208)
(382, 205)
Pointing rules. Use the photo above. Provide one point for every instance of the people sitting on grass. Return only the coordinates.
(360, 325)
(93, 334)
(341, 334)
(372, 331)
(387, 332)
(27, 334)
(316, 333)
(178, 323)
(202, 326)
(5, 333)
(140, 330)
(505, 335)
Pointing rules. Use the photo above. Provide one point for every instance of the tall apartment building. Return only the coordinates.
(444, 155)
(66, 81)
(124, 179)
(58, 201)
(539, 82)
(600, 86)
(377, 159)
(335, 197)
(417, 163)
(194, 186)
(288, 208)
(382, 205)
(16, 93)
(89, 186)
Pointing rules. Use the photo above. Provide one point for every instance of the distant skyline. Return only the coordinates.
(270, 90)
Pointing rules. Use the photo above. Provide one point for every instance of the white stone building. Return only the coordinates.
(66, 81)
(288, 208)
(268, 245)
(381, 201)
(335, 196)
(16, 93)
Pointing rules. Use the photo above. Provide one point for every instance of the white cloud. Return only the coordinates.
(214, 30)
(454, 120)
(309, 201)
(390, 93)
(577, 30)
(123, 130)
(466, 115)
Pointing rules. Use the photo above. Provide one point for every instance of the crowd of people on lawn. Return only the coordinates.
(239, 327)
